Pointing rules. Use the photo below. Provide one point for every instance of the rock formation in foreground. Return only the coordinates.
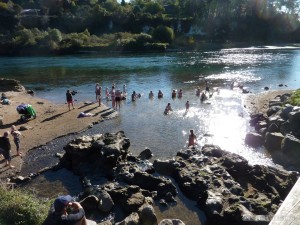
(222, 184)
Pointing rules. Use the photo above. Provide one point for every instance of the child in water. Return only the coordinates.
(168, 109)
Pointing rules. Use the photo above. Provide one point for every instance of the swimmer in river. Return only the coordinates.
(168, 109)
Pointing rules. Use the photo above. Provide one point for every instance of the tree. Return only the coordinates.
(163, 34)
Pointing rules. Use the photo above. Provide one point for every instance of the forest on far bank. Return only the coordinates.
(70, 26)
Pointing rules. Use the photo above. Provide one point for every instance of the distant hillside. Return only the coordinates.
(68, 26)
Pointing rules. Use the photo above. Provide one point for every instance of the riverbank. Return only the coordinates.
(255, 103)
(52, 121)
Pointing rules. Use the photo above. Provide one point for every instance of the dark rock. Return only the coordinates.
(291, 146)
(147, 215)
(255, 118)
(10, 85)
(166, 167)
(105, 201)
(254, 139)
(285, 111)
(260, 125)
(263, 131)
(266, 88)
(90, 203)
(273, 141)
(285, 128)
(132, 219)
(146, 154)
(294, 118)
(273, 128)
(273, 109)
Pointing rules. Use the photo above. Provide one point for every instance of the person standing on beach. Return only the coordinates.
(98, 91)
(16, 135)
(192, 139)
(69, 99)
(5, 149)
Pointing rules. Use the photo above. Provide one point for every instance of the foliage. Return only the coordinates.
(183, 22)
(163, 34)
(295, 98)
(21, 208)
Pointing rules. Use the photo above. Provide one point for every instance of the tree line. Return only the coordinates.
(66, 26)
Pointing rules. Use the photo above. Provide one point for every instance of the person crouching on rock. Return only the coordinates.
(68, 212)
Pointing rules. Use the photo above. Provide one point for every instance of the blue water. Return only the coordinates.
(223, 121)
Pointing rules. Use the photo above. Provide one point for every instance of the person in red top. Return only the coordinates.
(69, 98)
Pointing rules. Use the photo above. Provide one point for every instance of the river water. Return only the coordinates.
(222, 120)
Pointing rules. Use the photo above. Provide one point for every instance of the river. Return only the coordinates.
(222, 120)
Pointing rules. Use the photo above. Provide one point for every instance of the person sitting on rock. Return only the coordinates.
(4, 99)
(66, 211)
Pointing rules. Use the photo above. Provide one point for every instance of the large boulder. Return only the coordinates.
(254, 139)
(294, 118)
(10, 85)
(105, 201)
(273, 109)
(147, 215)
(273, 141)
(132, 219)
(165, 167)
(286, 110)
(98, 150)
(291, 146)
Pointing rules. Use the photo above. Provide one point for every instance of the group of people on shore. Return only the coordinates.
(5, 146)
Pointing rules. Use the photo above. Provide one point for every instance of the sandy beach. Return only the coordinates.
(52, 121)
(55, 120)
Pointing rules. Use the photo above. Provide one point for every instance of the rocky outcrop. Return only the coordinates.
(10, 85)
(222, 184)
(278, 130)
(93, 151)
(228, 189)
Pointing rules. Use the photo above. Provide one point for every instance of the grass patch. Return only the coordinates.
(295, 98)
(21, 208)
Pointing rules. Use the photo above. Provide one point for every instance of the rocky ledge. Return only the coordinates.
(278, 130)
(222, 184)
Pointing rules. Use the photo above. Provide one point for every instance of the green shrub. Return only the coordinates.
(163, 34)
(295, 98)
(20, 208)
